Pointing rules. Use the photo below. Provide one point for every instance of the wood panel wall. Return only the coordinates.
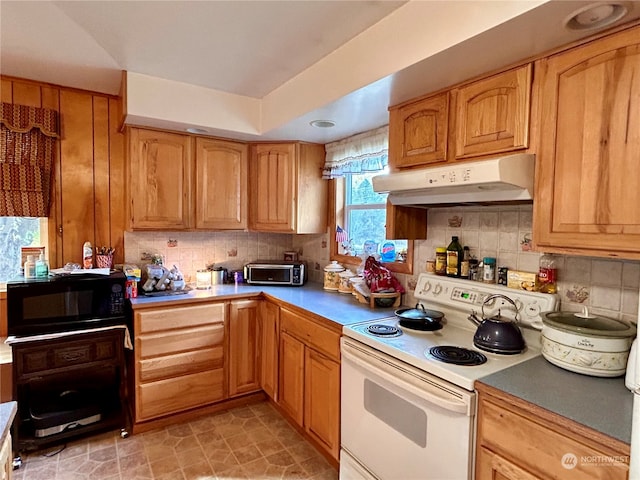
(88, 201)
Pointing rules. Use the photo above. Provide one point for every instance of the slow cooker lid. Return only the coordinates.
(587, 323)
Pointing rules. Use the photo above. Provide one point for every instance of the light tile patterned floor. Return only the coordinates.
(252, 442)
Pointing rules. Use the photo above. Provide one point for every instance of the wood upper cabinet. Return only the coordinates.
(287, 192)
(269, 340)
(418, 132)
(520, 441)
(492, 115)
(243, 347)
(309, 382)
(587, 198)
(179, 359)
(221, 184)
(160, 167)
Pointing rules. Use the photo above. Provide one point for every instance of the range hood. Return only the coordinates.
(499, 180)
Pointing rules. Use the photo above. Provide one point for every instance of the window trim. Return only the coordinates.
(336, 211)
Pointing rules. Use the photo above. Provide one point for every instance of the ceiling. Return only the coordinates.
(265, 69)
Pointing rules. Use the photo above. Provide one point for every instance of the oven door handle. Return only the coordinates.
(400, 375)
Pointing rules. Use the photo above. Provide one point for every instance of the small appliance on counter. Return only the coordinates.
(275, 272)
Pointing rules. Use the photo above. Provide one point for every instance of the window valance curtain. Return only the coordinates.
(365, 152)
(27, 151)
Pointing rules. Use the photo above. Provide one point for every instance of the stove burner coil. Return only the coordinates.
(384, 330)
(457, 355)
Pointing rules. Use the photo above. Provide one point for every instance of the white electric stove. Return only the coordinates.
(399, 401)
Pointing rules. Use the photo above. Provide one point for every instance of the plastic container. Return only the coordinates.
(30, 267)
(441, 261)
(547, 274)
(489, 271)
(42, 267)
(87, 255)
(388, 252)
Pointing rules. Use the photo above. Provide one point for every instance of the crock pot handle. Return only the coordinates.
(499, 295)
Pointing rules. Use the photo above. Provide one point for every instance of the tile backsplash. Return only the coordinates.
(193, 251)
(609, 287)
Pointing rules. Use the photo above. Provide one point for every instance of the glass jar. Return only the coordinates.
(441, 261)
(203, 279)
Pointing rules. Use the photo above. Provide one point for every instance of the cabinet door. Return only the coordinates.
(418, 132)
(587, 169)
(272, 177)
(291, 377)
(221, 184)
(322, 400)
(270, 326)
(243, 343)
(6, 459)
(490, 466)
(160, 180)
(493, 114)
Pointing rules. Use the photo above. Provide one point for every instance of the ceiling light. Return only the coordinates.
(597, 15)
(197, 130)
(322, 123)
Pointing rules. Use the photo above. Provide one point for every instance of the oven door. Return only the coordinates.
(399, 422)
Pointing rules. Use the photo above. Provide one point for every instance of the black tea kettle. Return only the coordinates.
(497, 334)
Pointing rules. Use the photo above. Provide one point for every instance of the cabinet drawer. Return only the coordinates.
(70, 353)
(179, 317)
(539, 449)
(177, 394)
(167, 343)
(181, 364)
(312, 334)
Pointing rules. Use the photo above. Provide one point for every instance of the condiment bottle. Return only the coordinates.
(30, 267)
(441, 261)
(464, 265)
(489, 272)
(87, 255)
(454, 257)
(547, 274)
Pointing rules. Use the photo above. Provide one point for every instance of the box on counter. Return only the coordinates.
(523, 280)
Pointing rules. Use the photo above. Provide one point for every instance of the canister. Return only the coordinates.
(345, 284)
(332, 275)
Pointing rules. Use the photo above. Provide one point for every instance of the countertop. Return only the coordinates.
(7, 413)
(340, 308)
(603, 404)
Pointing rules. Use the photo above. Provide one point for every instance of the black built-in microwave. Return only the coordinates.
(66, 303)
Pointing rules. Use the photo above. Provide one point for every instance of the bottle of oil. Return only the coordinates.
(454, 257)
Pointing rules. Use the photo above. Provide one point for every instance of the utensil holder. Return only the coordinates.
(104, 261)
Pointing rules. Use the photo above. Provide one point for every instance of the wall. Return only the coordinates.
(88, 194)
(609, 287)
(192, 251)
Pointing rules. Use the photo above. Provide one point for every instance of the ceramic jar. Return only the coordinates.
(345, 281)
(332, 276)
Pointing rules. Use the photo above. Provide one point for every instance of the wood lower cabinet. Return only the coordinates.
(418, 132)
(587, 199)
(288, 194)
(243, 347)
(179, 359)
(6, 459)
(309, 378)
(269, 327)
(520, 441)
(492, 114)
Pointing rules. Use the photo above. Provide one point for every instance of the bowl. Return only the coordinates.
(384, 302)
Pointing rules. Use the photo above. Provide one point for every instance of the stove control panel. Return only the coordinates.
(466, 295)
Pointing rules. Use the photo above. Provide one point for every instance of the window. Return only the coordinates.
(364, 220)
(17, 232)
